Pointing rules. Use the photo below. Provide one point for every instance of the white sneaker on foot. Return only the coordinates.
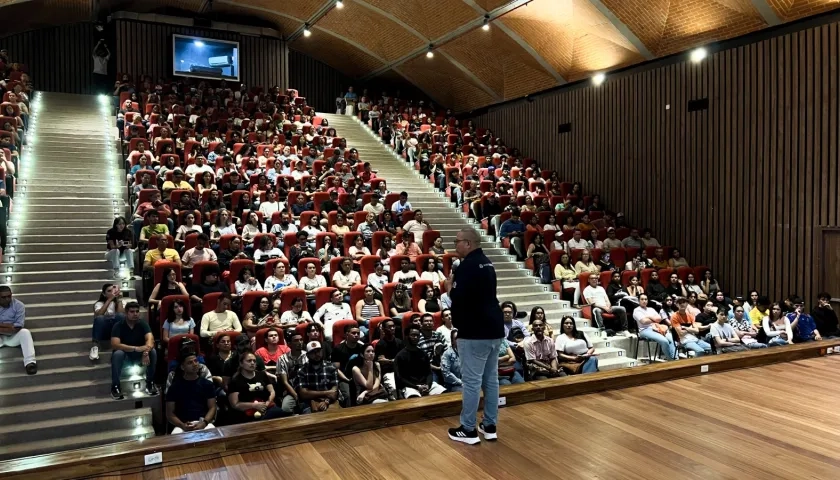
(94, 353)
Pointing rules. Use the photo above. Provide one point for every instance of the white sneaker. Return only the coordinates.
(625, 333)
(94, 353)
(117, 274)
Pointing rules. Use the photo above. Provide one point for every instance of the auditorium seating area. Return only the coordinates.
(258, 227)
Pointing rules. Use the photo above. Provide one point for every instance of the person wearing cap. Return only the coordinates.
(190, 396)
(318, 380)
(177, 183)
(611, 241)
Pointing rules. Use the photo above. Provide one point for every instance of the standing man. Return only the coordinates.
(12, 333)
(478, 318)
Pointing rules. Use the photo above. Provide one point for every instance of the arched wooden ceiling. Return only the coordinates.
(531, 45)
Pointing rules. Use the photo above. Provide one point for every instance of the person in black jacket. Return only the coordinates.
(655, 290)
(477, 316)
(825, 317)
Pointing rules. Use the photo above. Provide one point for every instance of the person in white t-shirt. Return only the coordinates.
(375, 206)
(653, 328)
(597, 297)
(407, 275)
(195, 170)
(346, 278)
(577, 241)
(283, 227)
(271, 205)
(401, 205)
(331, 312)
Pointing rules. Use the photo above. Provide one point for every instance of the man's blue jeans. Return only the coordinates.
(479, 371)
(700, 347)
(669, 349)
(119, 357)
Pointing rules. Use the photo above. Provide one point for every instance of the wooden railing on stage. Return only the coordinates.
(128, 457)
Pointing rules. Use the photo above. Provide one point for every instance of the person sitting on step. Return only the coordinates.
(12, 331)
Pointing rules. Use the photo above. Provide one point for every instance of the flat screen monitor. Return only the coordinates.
(205, 58)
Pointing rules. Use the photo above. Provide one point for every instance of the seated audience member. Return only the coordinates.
(407, 274)
(566, 273)
(677, 260)
(368, 308)
(825, 317)
(676, 287)
(132, 342)
(777, 327)
(654, 328)
(577, 241)
(445, 329)
(707, 317)
(708, 284)
(288, 369)
(273, 350)
(510, 321)
(585, 264)
(176, 323)
(597, 297)
(107, 311)
(760, 310)
(803, 325)
(634, 240)
(295, 315)
(346, 278)
(153, 205)
(725, 337)
(367, 378)
(429, 338)
(412, 369)
(318, 380)
(687, 330)
(280, 280)
(168, 286)
(120, 247)
(416, 227)
(408, 247)
(692, 287)
(153, 228)
(541, 354)
(648, 240)
(331, 312)
(509, 368)
(222, 319)
(220, 360)
(12, 331)
(191, 398)
(746, 331)
(162, 252)
(267, 251)
(342, 353)
(514, 230)
(326, 254)
(611, 241)
(400, 301)
(378, 279)
(251, 392)
(432, 271)
(655, 290)
(401, 205)
(430, 302)
(386, 351)
(233, 252)
(450, 365)
(574, 353)
(262, 315)
(199, 253)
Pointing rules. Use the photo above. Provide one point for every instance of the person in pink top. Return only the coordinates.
(409, 247)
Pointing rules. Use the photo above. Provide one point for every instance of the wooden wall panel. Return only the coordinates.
(59, 58)
(741, 187)
(146, 48)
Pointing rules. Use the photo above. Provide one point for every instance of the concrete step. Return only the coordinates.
(97, 437)
(56, 246)
(46, 288)
(54, 347)
(60, 360)
(66, 320)
(63, 332)
(54, 209)
(65, 296)
(58, 238)
(606, 353)
(79, 201)
(616, 363)
(77, 229)
(56, 409)
(53, 266)
(21, 224)
(74, 426)
(46, 308)
(55, 376)
(105, 275)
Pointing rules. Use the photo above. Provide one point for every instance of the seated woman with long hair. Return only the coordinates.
(367, 378)
(175, 323)
(573, 349)
(776, 326)
(261, 316)
(251, 393)
(169, 285)
(430, 303)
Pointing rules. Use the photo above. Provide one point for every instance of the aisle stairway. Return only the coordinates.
(68, 194)
(515, 283)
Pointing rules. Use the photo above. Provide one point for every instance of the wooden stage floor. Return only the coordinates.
(777, 421)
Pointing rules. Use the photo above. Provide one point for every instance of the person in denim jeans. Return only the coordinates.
(648, 322)
(477, 316)
(133, 342)
(688, 330)
(107, 312)
(450, 365)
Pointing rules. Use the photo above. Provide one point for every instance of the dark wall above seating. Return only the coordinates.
(744, 185)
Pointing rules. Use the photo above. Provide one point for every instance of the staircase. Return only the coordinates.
(515, 282)
(69, 191)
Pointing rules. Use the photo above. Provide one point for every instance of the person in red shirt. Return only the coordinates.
(273, 350)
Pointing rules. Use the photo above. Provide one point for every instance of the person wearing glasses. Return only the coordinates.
(478, 318)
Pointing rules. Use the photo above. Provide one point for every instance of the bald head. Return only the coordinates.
(466, 241)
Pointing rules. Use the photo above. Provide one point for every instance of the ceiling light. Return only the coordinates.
(199, 43)
(598, 79)
(698, 54)
(486, 25)
(339, 4)
(306, 31)
(430, 53)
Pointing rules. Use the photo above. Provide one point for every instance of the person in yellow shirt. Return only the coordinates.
(177, 183)
(759, 311)
(659, 261)
(162, 252)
